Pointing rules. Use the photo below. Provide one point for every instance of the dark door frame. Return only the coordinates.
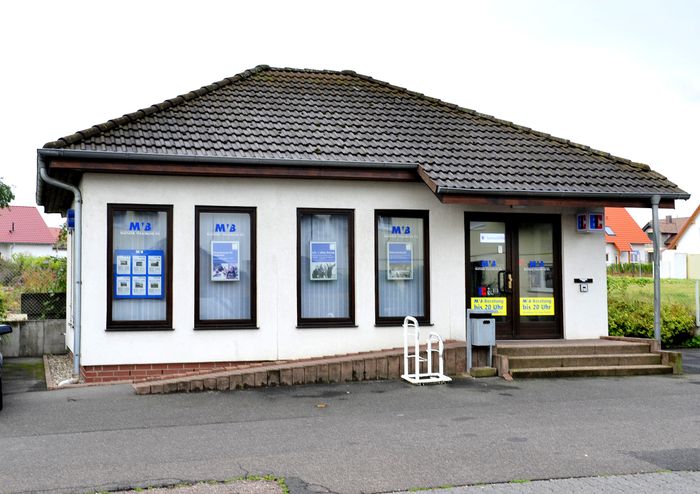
(520, 330)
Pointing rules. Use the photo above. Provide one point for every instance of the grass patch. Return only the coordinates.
(33, 368)
(519, 481)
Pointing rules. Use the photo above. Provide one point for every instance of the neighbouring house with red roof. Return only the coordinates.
(23, 231)
(625, 241)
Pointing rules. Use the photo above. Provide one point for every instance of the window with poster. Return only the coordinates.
(139, 267)
(225, 283)
(325, 268)
(401, 266)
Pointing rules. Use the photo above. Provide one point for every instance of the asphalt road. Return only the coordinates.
(361, 437)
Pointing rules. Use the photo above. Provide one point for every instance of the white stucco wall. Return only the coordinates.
(37, 250)
(276, 200)
(583, 257)
(611, 254)
(689, 243)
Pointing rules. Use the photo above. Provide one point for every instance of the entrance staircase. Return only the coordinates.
(608, 356)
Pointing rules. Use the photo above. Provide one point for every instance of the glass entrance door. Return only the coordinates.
(513, 270)
(489, 272)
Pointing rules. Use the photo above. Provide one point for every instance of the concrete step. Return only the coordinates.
(593, 371)
(602, 348)
(602, 360)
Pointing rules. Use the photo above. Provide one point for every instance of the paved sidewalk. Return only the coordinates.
(644, 483)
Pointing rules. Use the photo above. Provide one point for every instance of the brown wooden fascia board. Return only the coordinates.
(576, 202)
(241, 171)
(428, 181)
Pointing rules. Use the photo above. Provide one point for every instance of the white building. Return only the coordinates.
(283, 214)
(681, 258)
(23, 231)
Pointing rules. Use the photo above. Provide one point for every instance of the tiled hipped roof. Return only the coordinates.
(322, 116)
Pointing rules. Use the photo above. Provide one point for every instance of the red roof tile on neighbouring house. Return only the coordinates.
(55, 231)
(23, 225)
(622, 230)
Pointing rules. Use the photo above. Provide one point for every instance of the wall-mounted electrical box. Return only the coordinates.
(583, 284)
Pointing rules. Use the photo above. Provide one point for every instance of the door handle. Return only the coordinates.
(501, 282)
(510, 282)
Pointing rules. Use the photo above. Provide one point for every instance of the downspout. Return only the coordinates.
(76, 261)
(657, 266)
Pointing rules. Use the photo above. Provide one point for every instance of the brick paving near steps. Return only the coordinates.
(364, 366)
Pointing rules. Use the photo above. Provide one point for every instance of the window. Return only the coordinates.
(325, 268)
(609, 231)
(225, 286)
(402, 268)
(139, 267)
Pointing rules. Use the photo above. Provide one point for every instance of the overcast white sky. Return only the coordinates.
(620, 76)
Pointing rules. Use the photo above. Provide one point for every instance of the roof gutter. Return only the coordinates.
(46, 154)
(178, 158)
(590, 195)
(75, 261)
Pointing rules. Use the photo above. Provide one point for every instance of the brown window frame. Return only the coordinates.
(161, 325)
(329, 322)
(405, 213)
(227, 324)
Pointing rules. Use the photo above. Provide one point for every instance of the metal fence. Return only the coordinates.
(32, 288)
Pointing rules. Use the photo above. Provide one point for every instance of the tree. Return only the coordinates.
(6, 195)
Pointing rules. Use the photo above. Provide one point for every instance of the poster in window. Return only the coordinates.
(123, 264)
(225, 264)
(324, 261)
(123, 286)
(399, 261)
(155, 265)
(154, 286)
(138, 285)
(138, 264)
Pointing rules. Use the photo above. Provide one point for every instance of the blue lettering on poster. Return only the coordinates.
(225, 228)
(535, 264)
(136, 226)
(400, 230)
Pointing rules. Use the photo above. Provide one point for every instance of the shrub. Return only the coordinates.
(636, 318)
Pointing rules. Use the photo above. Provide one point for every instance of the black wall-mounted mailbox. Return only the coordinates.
(583, 280)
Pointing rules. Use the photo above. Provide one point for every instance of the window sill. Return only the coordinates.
(225, 327)
(326, 325)
(400, 324)
(138, 328)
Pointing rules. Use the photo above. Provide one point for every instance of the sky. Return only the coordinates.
(619, 76)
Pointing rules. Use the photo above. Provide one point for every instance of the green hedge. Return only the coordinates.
(632, 269)
(631, 310)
